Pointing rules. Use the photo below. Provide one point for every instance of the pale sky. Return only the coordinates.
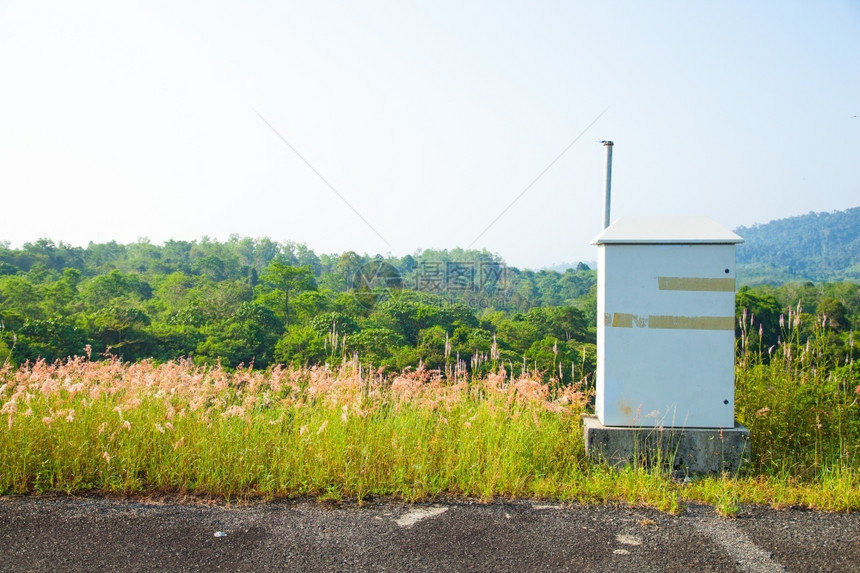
(123, 120)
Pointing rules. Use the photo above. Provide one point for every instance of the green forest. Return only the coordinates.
(817, 247)
(259, 302)
(256, 301)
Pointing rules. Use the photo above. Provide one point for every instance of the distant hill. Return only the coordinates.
(561, 267)
(817, 247)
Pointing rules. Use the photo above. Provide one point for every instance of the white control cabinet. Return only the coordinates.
(666, 320)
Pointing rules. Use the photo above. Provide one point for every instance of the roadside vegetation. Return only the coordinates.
(344, 432)
(253, 369)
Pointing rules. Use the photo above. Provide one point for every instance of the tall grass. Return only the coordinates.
(180, 428)
(800, 398)
(177, 427)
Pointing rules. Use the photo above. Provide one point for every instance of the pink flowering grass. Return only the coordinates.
(177, 427)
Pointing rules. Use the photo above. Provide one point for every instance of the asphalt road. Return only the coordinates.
(95, 534)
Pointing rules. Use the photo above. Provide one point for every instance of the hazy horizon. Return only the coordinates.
(392, 127)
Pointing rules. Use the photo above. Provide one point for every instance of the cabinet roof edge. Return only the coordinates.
(662, 230)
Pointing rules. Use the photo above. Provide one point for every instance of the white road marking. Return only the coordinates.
(546, 506)
(415, 515)
(750, 557)
(628, 539)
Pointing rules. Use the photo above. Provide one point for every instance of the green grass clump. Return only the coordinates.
(801, 401)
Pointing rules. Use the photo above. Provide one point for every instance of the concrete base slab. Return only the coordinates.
(682, 450)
